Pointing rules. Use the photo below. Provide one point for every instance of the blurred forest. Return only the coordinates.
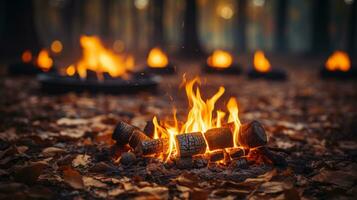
(186, 26)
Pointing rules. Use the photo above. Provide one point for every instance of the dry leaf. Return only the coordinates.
(81, 160)
(51, 151)
(73, 178)
(29, 173)
(71, 122)
(91, 182)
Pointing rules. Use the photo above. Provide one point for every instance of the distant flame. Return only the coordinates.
(26, 56)
(338, 61)
(101, 60)
(56, 46)
(261, 63)
(220, 59)
(44, 61)
(157, 58)
(200, 117)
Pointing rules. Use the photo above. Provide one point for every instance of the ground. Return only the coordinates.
(59, 146)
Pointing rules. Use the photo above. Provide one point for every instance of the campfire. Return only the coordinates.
(207, 134)
(30, 65)
(99, 69)
(221, 62)
(338, 65)
(263, 69)
(158, 62)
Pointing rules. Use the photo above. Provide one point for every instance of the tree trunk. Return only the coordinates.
(352, 28)
(241, 19)
(320, 33)
(281, 16)
(158, 12)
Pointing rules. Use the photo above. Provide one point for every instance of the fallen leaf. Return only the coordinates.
(91, 182)
(71, 122)
(52, 151)
(339, 178)
(81, 160)
(73, 178)
(73, 133)
(271, 187)
(29, 174)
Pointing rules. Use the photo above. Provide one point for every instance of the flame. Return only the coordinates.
(44, 61)
(101, 60)
(26, 56)
(70, 70)
(220, 59)
(339, 60)
(200, 117)
(157, 58)
(56, 46)
(261, 63)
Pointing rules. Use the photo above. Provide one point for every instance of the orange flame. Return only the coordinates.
(101, 60)
(261, 63)
(220, 59)
(339, 60)
(44, 61)
(157, 58)
(200, 117)
(26, 56)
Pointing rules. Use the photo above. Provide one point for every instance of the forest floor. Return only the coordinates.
(59, 146)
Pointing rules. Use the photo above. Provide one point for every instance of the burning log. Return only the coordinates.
(154, 146)
(235, 153)
(149, 129)
(125, 133)
(252, 135)
(216, 155)
(219, 138)
(190, 144)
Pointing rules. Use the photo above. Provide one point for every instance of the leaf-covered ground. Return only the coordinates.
(60, 146)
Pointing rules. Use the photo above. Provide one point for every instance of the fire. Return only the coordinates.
(200, 117)
(56, 46)
(44, 61)
(220, 59)
(339, 60)
(261, 63)
(26, 56)
(157, 58)
(101, 60)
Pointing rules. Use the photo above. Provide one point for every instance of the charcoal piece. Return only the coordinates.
(127, 158)
(219, 138)
(252, 135)
(235, 152)
(136, 138)
(215, 156)
(190, 144)
(241, 163)
(275, 158)
(123, 132)
(184, 163)
(152, 146)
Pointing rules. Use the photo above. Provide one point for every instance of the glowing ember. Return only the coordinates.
(261, 63)
(338, 61)
(157, 58)
(220, 59)
(200, 117)
(101, 60)
(44, 61)
(26, 56)
(56, 46)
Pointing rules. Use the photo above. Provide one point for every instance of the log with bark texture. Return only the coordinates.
(136, 138)
(216, 156)
(241, 163)
(275, 158)
(149, 129)
(219, 138)
(123, 132)
(235, 152)
(190, 144)
(152, 146)
(252, 135)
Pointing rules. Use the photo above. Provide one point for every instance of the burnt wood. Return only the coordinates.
(136, 138)
(275, 158)
(184, 163)
(149, 129)
(241, 163)
(190, 144)
(235, 153)
(215, 156)
(153, 146)
(252, 135)
(219, 138)
(122, 133)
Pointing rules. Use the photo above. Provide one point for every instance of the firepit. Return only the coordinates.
(338, 66)
(203, 138)
(221, 62)
(28, 66)
(158, 62)
(99, 70)
(263, 70)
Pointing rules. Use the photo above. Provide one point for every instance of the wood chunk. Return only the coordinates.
(184, 163)
(122, 133)
(152, 146)
(127, 158)
(190, 144)
(136, 138)
(275, 158)
(252, 135)
(241, 163)
(215, 156)
(235, 153)
(149, 129)
(219, 138)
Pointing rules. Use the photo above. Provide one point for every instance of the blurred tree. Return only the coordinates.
(158, 12)
(241, 19)
(320, 21)
(352, 28)
(280, 19)
(191, 44)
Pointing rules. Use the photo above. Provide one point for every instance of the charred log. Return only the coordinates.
(149, 129)
(216, 156)
(235, 153)
(154, 146)
(190, 144)
(122, 133)
(219, 138)
(136, 138)
(252, 135)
